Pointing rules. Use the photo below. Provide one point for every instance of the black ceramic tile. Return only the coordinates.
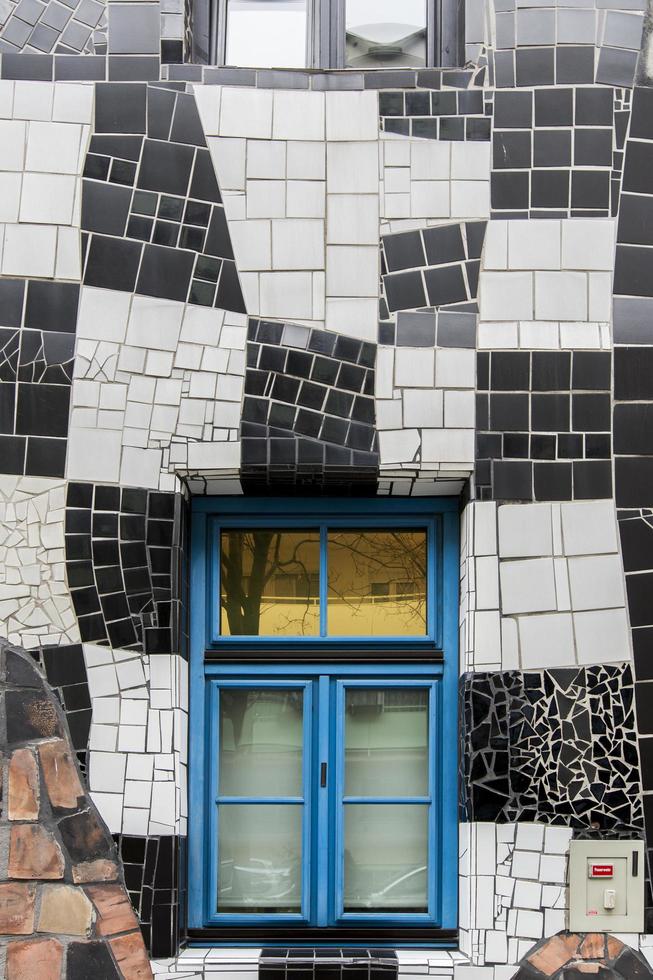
(105, 207)
(120, 108)
(112, 263)
(594, 106)
(510, 191)
(554, 107)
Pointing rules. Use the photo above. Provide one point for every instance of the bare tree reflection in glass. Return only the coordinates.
(377, 583)
(269, 583)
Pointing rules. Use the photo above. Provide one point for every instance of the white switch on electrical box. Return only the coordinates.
(606, 886)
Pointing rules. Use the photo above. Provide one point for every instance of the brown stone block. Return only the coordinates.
(92, 871)
(17, 908)
(115, 913)
(40, 959)
(60, 774)
(592, 946)
(131, 956)
(586, 967)
(555, 952)
(23, 790)
(34, 853)
(65, 910)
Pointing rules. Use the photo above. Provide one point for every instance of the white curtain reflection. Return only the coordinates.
(266, 33)
(385, 33)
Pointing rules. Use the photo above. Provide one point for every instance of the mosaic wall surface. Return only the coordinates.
(399, 282)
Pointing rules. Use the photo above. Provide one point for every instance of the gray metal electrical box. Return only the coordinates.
(606, 886)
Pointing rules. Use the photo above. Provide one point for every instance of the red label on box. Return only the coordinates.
(602, 871)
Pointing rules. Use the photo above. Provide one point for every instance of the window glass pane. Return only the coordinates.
(260, 858)
(386, 742)
(386, 855)
(377, 583)
(266, 33)
(260, 742)
(269, 583)
(385, 33)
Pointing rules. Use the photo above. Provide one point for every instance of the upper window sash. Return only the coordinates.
(325, 24)
(389, 521)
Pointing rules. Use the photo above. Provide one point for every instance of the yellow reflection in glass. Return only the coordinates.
(377, 583)
(269, 583)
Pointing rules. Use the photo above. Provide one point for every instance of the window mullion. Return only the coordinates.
(323, 580)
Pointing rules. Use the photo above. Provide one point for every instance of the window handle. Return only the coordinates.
(323, 774)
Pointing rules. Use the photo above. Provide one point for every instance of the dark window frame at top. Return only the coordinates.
(326, 35)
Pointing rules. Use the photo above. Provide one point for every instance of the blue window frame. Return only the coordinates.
(324, 886)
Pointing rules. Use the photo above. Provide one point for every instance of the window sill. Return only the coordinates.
(320, 79)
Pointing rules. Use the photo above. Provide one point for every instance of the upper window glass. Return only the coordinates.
(385, 34)
(266, 33)
(323, 582)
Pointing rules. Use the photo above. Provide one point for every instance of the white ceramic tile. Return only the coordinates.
(546, 641)
(352, 270)
(589, 527)
(534, 244)
(560, 296)
(246, 112)
(352, 219)
(602, 636)
(525, 530)
(266, 159)
(53, 147)
(414, 368)
(47, 198)
(596, 582)
(10, 186)
(422, 408)
(352, 168)
(298, 243)
(506, 296)
(352, 116)
(12, 144)
(286, 295)
(527, 586)
(306, 160)
(298, 115)
(29, 250)
(305, 199)
(265, 198)
(588, 243)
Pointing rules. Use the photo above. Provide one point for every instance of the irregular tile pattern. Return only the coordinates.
(63, 875)
(632, 425)
(428, 113)
(542, 586)
(151, 204)
(554, 746)
(513, 887)
(558, 152)
(308, 411)
(35, 602)
(543, 422)
(123, 565)
(151, 866)
(72, 27)
(38, 347)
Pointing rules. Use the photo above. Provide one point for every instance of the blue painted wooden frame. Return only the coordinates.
(444, 566)
(433, 634)
(216, 685)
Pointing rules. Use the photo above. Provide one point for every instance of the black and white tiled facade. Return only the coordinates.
(223, 281)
